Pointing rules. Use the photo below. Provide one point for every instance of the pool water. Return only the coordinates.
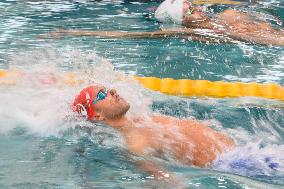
(44, 145)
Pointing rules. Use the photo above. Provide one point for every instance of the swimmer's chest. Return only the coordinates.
(156, 142)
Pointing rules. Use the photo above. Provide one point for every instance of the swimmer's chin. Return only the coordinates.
(127, 108)
(122, 112)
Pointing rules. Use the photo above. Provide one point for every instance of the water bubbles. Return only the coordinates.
(168, 58)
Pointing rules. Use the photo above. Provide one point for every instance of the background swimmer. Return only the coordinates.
(187, 141)
(226, 26)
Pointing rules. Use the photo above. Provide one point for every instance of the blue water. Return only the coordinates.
(44, 145)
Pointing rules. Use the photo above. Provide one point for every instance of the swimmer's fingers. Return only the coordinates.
(54, 34)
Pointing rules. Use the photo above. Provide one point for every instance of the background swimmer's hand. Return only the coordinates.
(54, 34)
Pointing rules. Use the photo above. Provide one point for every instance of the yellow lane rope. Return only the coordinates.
(185, 87)
(218, 89)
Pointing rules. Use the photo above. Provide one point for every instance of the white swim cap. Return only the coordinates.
(170, 11)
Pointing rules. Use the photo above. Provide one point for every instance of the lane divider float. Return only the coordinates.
(184, 87)
(216, 89)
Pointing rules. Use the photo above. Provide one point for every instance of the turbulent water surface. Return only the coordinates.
(44, 145)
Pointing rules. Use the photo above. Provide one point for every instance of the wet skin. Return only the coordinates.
(236, 25)
(230, 26)
(188, 141)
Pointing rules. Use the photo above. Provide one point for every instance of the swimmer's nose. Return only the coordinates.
(113, 92)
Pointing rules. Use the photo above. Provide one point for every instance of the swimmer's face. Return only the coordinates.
(112, 106)
(191, 14)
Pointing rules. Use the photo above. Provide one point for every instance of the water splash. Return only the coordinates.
(40, 102)
(40, 99)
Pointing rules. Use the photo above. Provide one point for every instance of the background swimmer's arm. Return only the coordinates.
(187, 34)
(262, 37)
(121, 34)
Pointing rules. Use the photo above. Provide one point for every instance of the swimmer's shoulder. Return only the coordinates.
(157, 118)
(162, 119)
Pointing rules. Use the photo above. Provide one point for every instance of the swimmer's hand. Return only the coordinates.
(160, 174)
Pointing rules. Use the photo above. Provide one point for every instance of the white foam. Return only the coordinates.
(253, 159)
(44, 108)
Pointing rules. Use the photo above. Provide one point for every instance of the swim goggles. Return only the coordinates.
(100, 96)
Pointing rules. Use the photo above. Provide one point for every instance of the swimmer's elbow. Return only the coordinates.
(229, 143)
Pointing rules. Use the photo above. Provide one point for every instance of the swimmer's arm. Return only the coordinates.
(121, 34)
(154, 170)
(262, 38)
(137, 145)
(158, 172)
(187, 34)
(161, 174)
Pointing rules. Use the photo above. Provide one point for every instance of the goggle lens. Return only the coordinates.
(100, 96)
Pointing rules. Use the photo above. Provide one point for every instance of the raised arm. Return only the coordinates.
(186, 33)
(121, 34)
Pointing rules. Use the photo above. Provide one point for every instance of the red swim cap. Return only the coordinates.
(83, 103)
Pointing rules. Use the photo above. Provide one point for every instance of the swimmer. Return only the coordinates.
(187, 141)
(227, 26)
